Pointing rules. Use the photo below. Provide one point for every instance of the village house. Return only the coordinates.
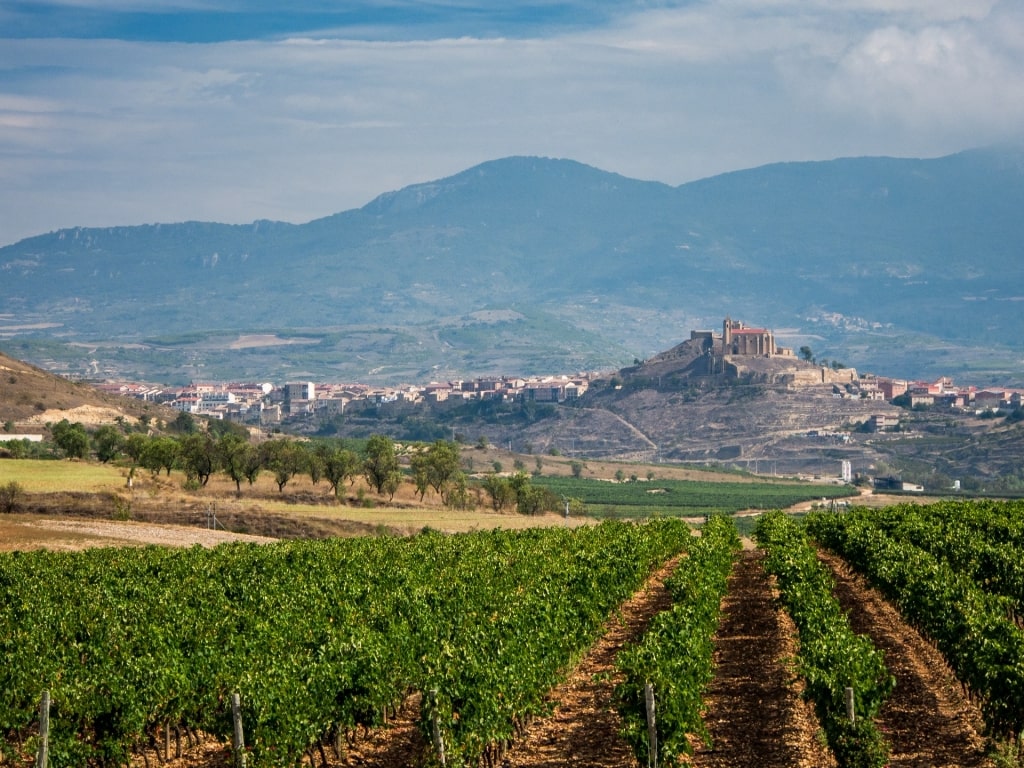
(880, 422)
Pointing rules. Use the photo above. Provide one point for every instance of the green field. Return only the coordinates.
(685, 497)
(47, 476)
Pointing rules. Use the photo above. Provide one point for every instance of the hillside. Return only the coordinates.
(667, 409)
(538, 265)
(30, 398)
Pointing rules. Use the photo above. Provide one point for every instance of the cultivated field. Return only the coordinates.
(63, 489)
(754, 708)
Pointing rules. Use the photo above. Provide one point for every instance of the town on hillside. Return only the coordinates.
(730, 353)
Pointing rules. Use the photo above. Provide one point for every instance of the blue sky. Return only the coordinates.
(137, 111)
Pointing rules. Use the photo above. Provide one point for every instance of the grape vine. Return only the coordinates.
(318, 637)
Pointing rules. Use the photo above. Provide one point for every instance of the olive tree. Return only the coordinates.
(72, 439)
(436, 466)
(380, 465)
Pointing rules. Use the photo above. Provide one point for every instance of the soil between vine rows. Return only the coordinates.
(928, 719)
(755, 712)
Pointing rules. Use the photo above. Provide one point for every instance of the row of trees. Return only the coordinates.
(383, 464)
(200, 455)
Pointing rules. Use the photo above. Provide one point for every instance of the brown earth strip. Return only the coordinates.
(928, 720)
(583, 729)
(755, 712)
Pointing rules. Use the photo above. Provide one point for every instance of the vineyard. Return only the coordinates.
(951, 570)
(318, 638)
(687, 497)
(328, 644)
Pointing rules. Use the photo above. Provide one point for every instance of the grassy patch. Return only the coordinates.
(40, 476)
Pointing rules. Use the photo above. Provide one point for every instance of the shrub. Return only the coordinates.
(10, 496)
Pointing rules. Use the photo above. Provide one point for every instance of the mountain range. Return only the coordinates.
(913, 267)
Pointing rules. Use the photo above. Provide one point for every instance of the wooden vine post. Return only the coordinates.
(43, 755)
(436, 727)
(652, 728)
(850, 714)
(238, 744)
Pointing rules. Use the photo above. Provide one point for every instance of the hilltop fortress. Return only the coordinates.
(740, 351)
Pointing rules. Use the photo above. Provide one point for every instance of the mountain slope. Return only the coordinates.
(857, 254)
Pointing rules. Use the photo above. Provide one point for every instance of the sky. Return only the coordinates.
(120, 112)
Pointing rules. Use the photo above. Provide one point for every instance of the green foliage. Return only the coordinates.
(72, 439)
(676, 654)
(421, 428)
(283, 458)
(199, 457)
(436, 467)
(954, 570)
(318, 637)
(831, 657)
(685, 497)
(27, 449)
(220, 428)
(380, 465)
(340, 465)
(10, 496)
(457, 494)
(108, 442)
(134, 445)
(122, 507)
(184, 424)
(237, 457)
(160, 453)
(536, 500)
(500, 491)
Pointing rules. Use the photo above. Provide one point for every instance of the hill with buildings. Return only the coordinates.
(733, 399)
(531, 264)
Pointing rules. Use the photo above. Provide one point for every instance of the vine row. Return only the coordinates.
(974, 629)
(675, 656)
(832, 657)
(320, 638)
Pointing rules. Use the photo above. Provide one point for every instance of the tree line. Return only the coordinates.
(384, 464)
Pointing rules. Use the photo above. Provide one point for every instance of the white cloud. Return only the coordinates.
(961, 78)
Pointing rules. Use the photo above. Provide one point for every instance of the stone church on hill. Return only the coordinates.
(737, 340)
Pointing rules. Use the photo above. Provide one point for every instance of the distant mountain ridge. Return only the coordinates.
(917, 263)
